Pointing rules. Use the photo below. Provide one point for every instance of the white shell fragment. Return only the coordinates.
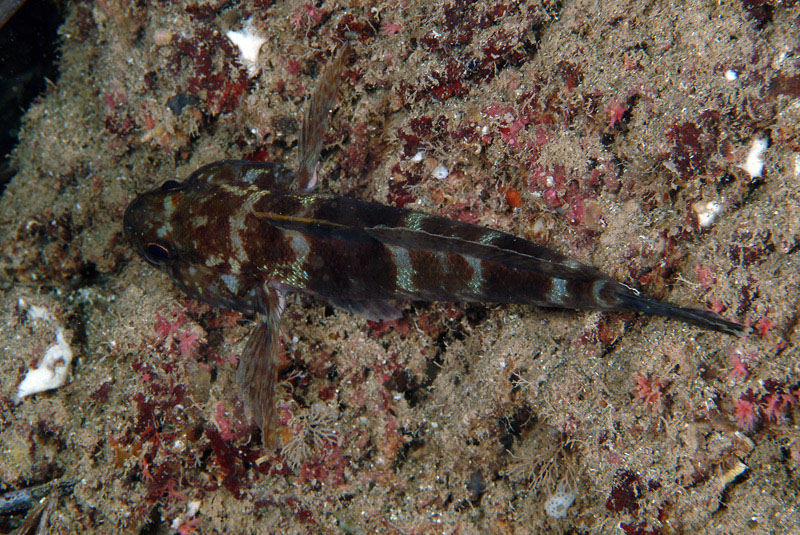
(54, 366)
(754, 164)
(731, 75)
(707, 212)
(441, 172)
(192, 508)
(249, 43)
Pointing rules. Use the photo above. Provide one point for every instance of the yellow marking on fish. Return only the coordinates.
(295, 219)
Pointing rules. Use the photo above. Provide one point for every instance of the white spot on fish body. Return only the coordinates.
(214, 260)
(238, 245)
(443, 260)
(231, 282)
(414, 220)
(476, 281)
(402, 262)
(251, 175)
(169, 207)
(164, 230)
(558, 293)
(488, 237)
(296, 274)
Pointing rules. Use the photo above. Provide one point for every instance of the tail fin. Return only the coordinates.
(700, 318)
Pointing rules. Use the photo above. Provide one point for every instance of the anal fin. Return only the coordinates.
(372, 310)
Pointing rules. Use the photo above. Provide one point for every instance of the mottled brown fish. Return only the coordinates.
(240, 235)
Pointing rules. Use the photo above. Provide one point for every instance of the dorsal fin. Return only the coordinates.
(536, 258)
(490, 245)
(315, 120)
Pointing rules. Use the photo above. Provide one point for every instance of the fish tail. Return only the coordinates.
(701, 318)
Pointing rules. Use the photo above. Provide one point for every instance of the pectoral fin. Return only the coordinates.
(257, 373)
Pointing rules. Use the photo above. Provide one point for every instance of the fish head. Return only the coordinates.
(148, 223)
(162, 226)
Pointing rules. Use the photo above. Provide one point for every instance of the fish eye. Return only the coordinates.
(157, 252)
(171, 185)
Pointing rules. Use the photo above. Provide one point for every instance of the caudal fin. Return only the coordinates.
(700, 318)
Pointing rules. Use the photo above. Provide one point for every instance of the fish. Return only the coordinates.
(242, 235)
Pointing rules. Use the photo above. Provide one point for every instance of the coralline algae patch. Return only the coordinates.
(584, 128)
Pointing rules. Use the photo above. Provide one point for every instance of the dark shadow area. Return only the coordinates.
(28, 57)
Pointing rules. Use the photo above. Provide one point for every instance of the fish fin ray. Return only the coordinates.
(372, 310)
(257, 373)
(694, 316)
(315, 120)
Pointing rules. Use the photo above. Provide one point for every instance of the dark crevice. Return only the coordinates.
(29, 42)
